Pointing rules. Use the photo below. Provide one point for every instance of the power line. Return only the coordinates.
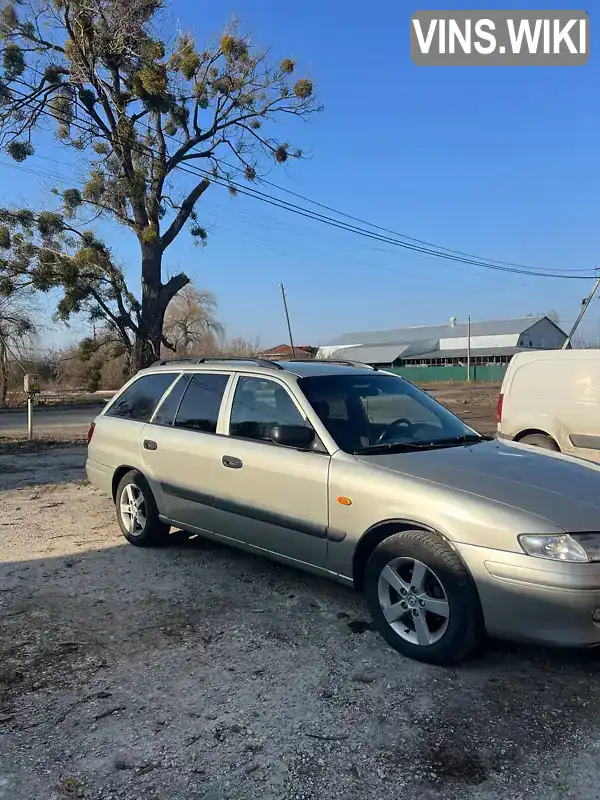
(278, 203)
(37, 172)
(315, 216)
(272, 224)
(472, 259)
(241, 234)
(379, 227)
(358, 219)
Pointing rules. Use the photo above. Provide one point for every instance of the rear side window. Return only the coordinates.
(140, 399)
(199, 409)
(168, 408)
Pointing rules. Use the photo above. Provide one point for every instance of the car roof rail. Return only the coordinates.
(175, 360)
(261, 362)
(343, 363)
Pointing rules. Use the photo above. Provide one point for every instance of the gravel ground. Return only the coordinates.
(196, 671)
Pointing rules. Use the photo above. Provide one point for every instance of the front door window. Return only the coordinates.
(259, 405)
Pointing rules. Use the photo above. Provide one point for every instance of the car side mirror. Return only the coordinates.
(299, 436)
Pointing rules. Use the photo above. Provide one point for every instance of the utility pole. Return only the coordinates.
(287, 316)
(469, 349)
(584, 306)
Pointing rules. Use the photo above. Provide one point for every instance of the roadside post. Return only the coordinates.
(32, 387)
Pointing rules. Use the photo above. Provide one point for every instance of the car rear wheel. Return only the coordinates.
(540, 440)
(422, 598)
(137, 513)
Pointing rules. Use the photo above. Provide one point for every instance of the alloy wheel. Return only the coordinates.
(413, 601)
(133, 509)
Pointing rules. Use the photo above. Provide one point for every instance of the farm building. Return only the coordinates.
(492, 344)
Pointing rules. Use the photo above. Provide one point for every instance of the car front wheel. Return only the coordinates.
(422, 598)
(540, 440)
(137, 513)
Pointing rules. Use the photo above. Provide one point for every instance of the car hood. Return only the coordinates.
(561, 489)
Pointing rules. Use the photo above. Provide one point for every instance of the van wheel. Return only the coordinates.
(137, 513)
(422, 599)
(540, 440)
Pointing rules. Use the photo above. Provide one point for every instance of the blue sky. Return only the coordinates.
(500, 162)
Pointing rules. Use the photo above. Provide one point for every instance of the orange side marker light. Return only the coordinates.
(344, 501)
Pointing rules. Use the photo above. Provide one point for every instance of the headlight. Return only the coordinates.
(575, 547)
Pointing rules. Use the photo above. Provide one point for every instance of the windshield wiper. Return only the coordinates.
(468, 438)
(387, 447)
(400, 447)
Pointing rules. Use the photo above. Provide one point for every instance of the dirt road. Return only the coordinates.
(197, 672)
(475, 403)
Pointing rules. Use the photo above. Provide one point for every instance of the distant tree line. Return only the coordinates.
(92, 363)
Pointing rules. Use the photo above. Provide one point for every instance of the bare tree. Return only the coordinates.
(238, 347)
(17, 334)
(190, 321)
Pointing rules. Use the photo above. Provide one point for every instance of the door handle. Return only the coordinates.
(150, 445)
(232, 462)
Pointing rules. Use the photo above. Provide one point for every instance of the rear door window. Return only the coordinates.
(199, 409)
(140, 399)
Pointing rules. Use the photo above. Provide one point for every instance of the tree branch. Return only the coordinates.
(184, 213)
(175, 284)
(121, 306)
(116, 320)
(201, 153)
(39, 40)
(159, 170)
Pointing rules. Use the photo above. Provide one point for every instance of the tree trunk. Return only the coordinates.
(156, 296)
(146, 349)
(3, 374)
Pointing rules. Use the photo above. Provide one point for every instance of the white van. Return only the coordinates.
(551, 399)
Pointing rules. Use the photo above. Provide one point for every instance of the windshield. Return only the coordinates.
(378, 413)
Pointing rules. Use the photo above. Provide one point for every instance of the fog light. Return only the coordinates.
(596, 615)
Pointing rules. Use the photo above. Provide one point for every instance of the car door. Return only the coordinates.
(180, 447)
(267, 495)
(119, 429)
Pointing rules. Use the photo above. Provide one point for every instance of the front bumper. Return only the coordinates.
(535, 599)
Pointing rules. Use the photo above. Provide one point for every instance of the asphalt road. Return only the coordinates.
(47, 418)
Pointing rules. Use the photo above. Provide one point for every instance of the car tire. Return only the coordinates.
(432, 578)
(540, 440)
(139, 524)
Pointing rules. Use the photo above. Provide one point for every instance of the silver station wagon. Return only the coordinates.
(357, 475)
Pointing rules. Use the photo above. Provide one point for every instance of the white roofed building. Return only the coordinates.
(491, 343)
